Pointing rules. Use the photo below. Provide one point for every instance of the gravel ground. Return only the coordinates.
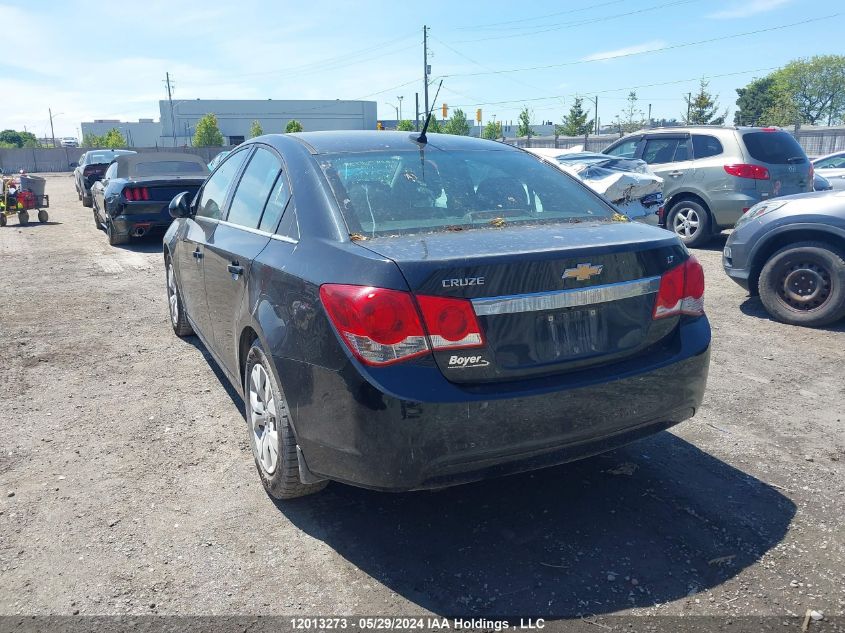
(127, 485)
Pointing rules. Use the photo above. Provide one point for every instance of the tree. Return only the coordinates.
(492, 131)
(754, 101)
(575, 123)
(703, 108)
(457, 124)
(255, 129)
(207, 132)
(631, 117)
(524, 128)
(11, 138)
(814, 86)
(433, 125)
(293, 126)
(92, 140)
(114, 139)
(405, 126)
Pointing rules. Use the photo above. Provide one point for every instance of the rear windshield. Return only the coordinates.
(777, 148)
(101, 158)
(412, 191)
(168, 167)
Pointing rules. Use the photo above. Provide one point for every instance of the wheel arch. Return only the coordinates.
(247, 338)
(778, 240)
(691, 196)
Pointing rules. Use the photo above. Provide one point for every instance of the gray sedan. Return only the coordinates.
(832, 168)
(791, 251)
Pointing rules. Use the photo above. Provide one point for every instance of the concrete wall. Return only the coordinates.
(61, 158)
(136, 133)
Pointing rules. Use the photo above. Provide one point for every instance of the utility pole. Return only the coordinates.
(597, 115)
(170, 102)
(52, 133)
(417, 111)
(689, 103)
(649, 115)
(426, 67)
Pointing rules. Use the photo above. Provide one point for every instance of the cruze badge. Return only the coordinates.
(582, 272)
(464, 281)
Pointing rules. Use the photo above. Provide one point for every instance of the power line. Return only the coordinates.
(537, 17)
(598, 92)
(566, 25)
(652, 50)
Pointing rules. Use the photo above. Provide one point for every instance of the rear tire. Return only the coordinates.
(178, 317)
(42, 216)
(87, 201)
(23, 218)
(690, 221)
(114, 238)
(804, 284)
(270, 434)
(2, 219)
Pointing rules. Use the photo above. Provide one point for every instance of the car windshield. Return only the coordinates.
(98, 158)
(413, 191)
(168, 167)
(776, 148)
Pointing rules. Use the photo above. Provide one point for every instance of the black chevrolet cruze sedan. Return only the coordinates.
(403, 313)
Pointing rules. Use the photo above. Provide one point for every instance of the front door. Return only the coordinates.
(198, 232)
(670, 157)
(229, 255)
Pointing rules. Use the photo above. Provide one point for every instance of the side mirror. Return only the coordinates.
(180, 206)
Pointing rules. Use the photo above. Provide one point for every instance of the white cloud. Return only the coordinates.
(747, 9)
(623, 52)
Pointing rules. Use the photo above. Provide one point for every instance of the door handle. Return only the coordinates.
(198, 253)
(236, 269)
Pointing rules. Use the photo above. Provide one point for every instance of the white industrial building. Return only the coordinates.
(176, 127)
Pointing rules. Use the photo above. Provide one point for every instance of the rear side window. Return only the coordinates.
(626, 149)
(704, 146)
(253, 189)
(665, 150)
(276, 204)
(777, 148)
(217, 187)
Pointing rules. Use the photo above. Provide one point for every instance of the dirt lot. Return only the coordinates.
(127, 485)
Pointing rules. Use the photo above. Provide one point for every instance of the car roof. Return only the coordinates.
(834, 154)
(126, 162)
(353, 141)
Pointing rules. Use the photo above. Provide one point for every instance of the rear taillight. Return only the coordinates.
(743, 170)
(379, 326)
(135, 194)
(451, 323)
(382, 326)
(681, 291)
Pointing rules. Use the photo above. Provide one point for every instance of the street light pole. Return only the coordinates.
(52, 132)
(400, 97)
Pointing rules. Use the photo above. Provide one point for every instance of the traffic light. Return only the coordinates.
(445, 110)
(478, 115)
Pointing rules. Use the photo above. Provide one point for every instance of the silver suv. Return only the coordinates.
(714, 174)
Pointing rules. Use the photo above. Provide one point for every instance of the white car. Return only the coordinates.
(627, 182)
(832, 168)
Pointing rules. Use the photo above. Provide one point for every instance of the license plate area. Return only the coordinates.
(572, 333)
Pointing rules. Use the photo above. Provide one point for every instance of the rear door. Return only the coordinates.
(788, 165)
(670, 157)
(192, 241)
(235, 244)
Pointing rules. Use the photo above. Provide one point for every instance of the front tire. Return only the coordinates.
(804, 284)
(23, 218)
(270, 434)
(690, 221)
(87, 201)
(178, 318)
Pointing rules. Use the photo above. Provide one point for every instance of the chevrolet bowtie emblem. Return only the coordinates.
(582, 272)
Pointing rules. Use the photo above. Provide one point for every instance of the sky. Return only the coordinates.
(89, 60)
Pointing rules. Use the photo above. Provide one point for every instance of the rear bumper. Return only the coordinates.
(154, 221)
(728, 206)
(352, 431)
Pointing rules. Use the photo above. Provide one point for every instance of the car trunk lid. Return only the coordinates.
(549, 298)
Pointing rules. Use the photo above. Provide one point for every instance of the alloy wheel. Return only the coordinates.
(264, 423)
(172, 295)
(686, 222)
